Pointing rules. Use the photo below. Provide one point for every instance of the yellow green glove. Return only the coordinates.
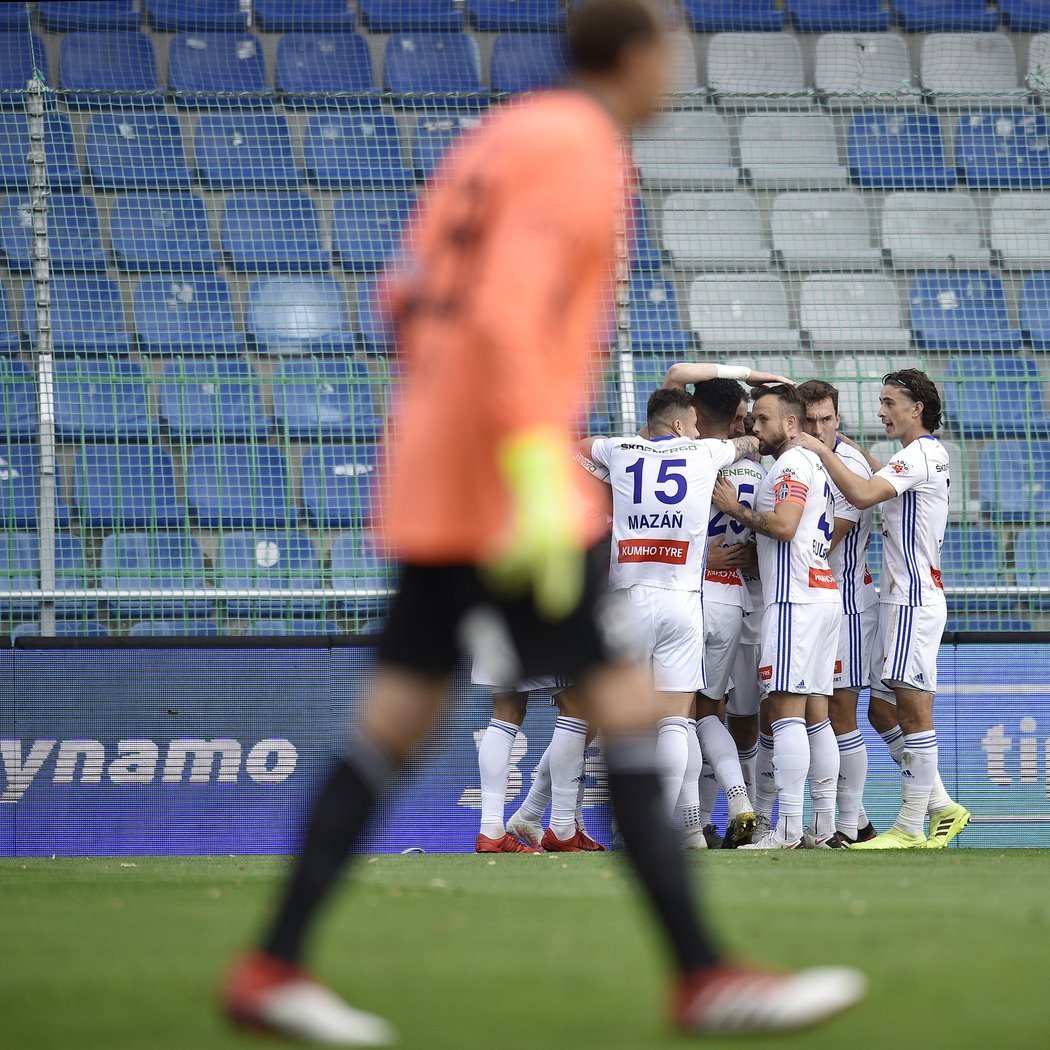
(543, 552)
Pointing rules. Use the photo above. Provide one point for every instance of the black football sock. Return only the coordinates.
(338, 818)
(639, 806)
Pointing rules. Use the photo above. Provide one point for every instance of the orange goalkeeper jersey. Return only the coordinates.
(499, 310)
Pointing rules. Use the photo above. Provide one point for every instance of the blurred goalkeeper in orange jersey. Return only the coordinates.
(498, 312)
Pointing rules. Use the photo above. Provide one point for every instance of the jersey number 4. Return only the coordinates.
(671, 485)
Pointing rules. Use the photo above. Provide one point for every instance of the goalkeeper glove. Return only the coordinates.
(543, 552)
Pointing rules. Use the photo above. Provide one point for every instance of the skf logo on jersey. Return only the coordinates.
(936, 575)
(838, 667)
(665, 551)
(822, 578)
(765, 674)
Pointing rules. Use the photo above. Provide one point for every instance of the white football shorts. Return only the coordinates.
(911, 639)
(745, 697)
(722, 625)
(798, 648)
(481, 676)
(670, 636)
(858, 640)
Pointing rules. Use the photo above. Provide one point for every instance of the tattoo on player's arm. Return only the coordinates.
(755, 520)
(745, 446)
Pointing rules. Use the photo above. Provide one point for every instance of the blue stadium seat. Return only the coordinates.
(317, 16)
(211, 400)
(100, 16)
(420, 64)
(960, 310)
(973, 557)
(20, 53)
(153, 561)
(325, 65)
(838, 16)
(102, 401)
(126, 487)
(194, 16)
(10, 340)
(136, 150)
(649, 374)
(734, 16)
(19, 492)
(238, 486)
(645, 255)
(293, 315)
(1014, 480)
(528, 62)
(656, 322)
(975, 623)
(357, 563)
(898, 149)
(80, 628)
(1026, 16)
(433, 135)
(271, 627)
(1002, 148)
(112, 63)
(355, 149)
(521, 16)
(244, 151)
(377, 334)
(20, 570)
(272, 560)
(185, 314)
(74, 234)
(366, 228)
(161, 232)
(316, 399)
(1032, 560)
(14, 16)
(273, 233)
(1000, 396)
(18, 416)
(203, 64)
(63, 168)
(411, 16)
(339, 485)
(87, 316)
(945, 16)
(174, 628)
(1034, 310)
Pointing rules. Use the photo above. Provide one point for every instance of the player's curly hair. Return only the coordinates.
(921, 389)
(716, 401)
(600, 30)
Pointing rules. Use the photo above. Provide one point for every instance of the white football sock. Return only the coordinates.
(720, 751)
(895, 742)
(581, 791)
(567, 756)
(765, 782)
(790, 766)
(672, 756)
(918, 772)
(939, 797)
(748, 759)
(494, 766)
(823, 776)
(708, 791)
(689, 798)
(853, 770)
(862, 817)
(539, 796)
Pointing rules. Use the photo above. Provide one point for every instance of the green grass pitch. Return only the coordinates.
(535, 952)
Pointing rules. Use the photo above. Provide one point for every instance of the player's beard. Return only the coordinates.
(771, 444)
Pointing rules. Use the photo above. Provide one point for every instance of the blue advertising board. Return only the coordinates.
(204, 751)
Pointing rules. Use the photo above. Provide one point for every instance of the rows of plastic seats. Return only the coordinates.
(21, 53)
(995, 396)
(228, 485)
(20, 570)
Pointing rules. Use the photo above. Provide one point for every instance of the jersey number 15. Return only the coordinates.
(671, 485)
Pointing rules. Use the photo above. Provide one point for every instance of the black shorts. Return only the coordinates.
(442, 612)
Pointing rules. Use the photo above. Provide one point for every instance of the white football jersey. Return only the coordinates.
(913, 524)
(661, 506)
(726, 586)
(848, 560)
(797, 570)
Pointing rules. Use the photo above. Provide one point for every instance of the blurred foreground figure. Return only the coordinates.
(498, 311)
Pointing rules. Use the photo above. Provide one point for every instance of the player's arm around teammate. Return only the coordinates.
(913, 487)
